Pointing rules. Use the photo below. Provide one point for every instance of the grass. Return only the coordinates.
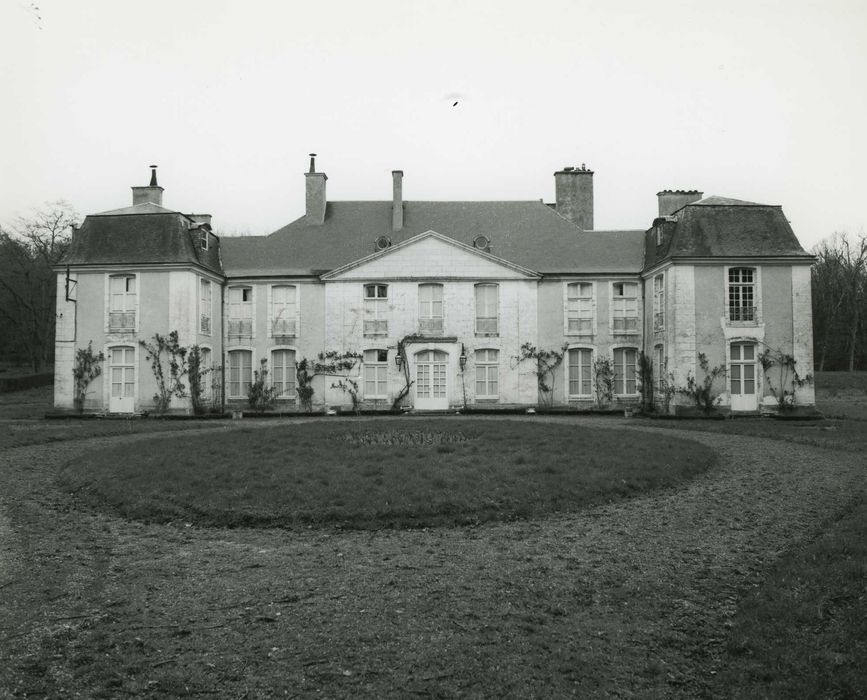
(380, 473)
(803, 631)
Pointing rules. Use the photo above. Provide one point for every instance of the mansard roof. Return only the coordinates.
(529, 234)
(720, 227)
(139, 235)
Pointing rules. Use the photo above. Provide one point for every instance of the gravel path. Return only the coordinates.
(629, 600)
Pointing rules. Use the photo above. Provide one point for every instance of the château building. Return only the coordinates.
(441, 300)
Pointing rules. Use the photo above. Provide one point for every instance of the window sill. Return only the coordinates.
(487, 399)
(487, 335)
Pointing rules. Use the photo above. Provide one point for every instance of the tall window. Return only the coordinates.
(487, 374)
(121, 315)
(240, 312)
(658, 303)
(579, 308)
(122, 364)
(205, 306)
(742, 298)
(376, 374)
(375, 309)
(624, 371)
(580, 364)
(240, 373)
(283, 310)
(625, 307)
(430, 309)
(487, 309)
(283, 373)
(742, 370)
(206, 373)
(659, 368)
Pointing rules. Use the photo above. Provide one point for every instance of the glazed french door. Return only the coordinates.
(122, 380)
(742, 377)
(431, 390)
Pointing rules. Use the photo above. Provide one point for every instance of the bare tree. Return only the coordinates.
(29, 249)
(839, 295)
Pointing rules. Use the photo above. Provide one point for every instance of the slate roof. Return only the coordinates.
(150, 238)
(725, 228)
(529, 234)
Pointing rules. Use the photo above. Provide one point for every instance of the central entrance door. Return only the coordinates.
(742, 377)
(430, 380)
(122, 369)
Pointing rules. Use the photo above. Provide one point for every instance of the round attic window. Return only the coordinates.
(382, 243)
(482, 242)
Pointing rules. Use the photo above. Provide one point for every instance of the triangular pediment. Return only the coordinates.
(430, 255)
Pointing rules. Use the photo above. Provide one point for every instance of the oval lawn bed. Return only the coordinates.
(405, 472)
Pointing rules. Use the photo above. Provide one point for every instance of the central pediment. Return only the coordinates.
(430, 255)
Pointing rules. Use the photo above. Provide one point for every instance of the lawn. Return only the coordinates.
(406, 472)
(801, 632)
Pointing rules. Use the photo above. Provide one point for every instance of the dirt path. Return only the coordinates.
(630, 599)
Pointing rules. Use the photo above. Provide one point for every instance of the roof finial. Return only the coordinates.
(153, 176)
(312, 162)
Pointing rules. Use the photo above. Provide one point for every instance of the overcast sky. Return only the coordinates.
(763, 101)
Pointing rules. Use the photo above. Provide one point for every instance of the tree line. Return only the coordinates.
(31, 246)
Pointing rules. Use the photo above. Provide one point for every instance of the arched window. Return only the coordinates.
(375, 309)
(624, 371)
(376, 374)
(283, 373)
(742, 294)
(206, 373)
(240, 373)
(122, 303)
(487, 309)
(205, 306)
(579, 308)
(487, 374)
(580, 367)
(430, 309)
(240, 312)
(283, 310)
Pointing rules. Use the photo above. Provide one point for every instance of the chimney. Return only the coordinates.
(574, 195)
(672, 200)
(397, 201)
(153, 193)
(315, 194)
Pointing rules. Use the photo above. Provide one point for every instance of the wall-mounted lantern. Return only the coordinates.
(463, 360)
(398, 360)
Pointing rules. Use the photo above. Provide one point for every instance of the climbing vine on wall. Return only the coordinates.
(168, 362)
(705, 394)
(86, 368)
(546, 361)
(326, 364)
(788, 381)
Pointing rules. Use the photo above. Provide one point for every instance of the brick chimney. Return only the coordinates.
(672, 200)
(397, 201)
(153, 193)
(315, 194)
(574, 195)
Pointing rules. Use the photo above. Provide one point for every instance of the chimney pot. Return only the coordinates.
(397, 200)
(153, 193)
